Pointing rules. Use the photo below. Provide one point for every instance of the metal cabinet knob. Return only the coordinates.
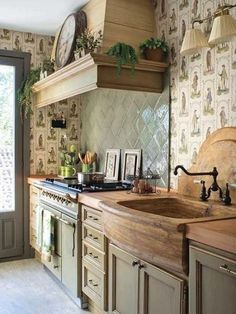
(134, 263)
(141, 266)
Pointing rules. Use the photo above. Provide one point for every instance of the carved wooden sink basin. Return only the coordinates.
(154, 229)
(170, 207)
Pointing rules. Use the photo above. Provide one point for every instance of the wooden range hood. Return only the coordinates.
(121, 21)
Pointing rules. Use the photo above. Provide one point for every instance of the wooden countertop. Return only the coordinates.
(220, 234)
(36, 178)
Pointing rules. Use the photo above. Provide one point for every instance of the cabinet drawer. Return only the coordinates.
(94, 237)
(34, 192)
(93, 283)
(92, 217)
(94, 256)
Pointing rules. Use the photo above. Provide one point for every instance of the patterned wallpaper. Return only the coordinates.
(203, 86)
(46, 143)
(126, 120)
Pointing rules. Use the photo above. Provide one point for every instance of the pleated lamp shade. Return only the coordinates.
(223, 29)
(194, 40)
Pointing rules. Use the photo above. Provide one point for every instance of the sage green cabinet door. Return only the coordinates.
(160, 292)
(70, 254)
(212, 283)
(123, 282)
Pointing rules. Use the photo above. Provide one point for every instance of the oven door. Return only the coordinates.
(71, 254)
(54, 263)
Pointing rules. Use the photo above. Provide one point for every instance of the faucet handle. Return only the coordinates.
(196, 181)
(203, 196)
(226, 197)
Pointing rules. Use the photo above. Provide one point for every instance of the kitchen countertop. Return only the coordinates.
(36, 178)
(219, 234)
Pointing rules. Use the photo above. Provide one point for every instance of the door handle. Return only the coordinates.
(226, 269)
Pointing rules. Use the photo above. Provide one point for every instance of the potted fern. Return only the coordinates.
(87, 42)
(124, 54)
(154, 49)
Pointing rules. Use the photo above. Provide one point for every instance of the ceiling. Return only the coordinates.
(37, 16)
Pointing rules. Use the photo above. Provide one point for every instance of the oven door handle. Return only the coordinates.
(64, 221)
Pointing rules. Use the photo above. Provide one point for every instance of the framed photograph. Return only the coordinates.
(131, 163)
(112, 164)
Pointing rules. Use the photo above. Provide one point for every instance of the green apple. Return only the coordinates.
(72, 148)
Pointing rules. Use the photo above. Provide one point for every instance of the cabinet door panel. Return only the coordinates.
(212, 283)
(123, 282)
(160, 292)
(70, 244)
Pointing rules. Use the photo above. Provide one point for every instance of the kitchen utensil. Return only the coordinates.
(81, 158)
(89, 178)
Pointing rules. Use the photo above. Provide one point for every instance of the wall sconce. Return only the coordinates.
(223, 29)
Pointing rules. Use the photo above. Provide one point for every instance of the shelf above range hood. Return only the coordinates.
(125, 21)
(98, 71)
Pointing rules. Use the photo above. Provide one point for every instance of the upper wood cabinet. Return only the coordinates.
(212, 283)
(136, 287)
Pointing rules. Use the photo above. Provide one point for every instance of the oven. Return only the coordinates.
(65, 259)
(59, 203)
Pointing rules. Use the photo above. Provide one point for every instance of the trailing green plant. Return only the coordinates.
(124, 54)
(154, 43)
(25, 93)
(48, 65)
(88, 41)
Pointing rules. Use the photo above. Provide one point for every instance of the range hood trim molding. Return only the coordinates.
(94, 71)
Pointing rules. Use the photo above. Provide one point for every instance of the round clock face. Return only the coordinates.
(65, 43)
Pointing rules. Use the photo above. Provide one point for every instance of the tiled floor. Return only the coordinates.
(25, 288)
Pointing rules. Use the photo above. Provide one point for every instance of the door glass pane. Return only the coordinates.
(7, 138)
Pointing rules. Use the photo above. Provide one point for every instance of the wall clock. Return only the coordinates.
(74, 25)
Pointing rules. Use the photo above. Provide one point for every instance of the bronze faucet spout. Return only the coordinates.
(213, 173)
(214, 187)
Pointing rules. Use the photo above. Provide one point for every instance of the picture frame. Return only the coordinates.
(131, 163)
(112, 164)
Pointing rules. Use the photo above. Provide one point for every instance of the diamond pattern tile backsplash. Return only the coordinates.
(126, 120)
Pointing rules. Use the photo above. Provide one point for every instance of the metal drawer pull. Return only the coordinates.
(94, 256)
(227, 269)
(134, 263)
(94, 218)
(55, 266)
(91, 236)
(94, 284)
(141, 266)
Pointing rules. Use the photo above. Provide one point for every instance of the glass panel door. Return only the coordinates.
(11, 157)
(7, 135)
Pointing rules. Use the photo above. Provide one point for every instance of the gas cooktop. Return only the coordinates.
(72, 184)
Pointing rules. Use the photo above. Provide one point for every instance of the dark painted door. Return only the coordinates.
(11, 158)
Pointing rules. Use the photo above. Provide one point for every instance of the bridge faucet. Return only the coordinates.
(214, 187)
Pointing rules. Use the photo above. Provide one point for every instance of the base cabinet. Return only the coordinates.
(136, 287)
(212, 283)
